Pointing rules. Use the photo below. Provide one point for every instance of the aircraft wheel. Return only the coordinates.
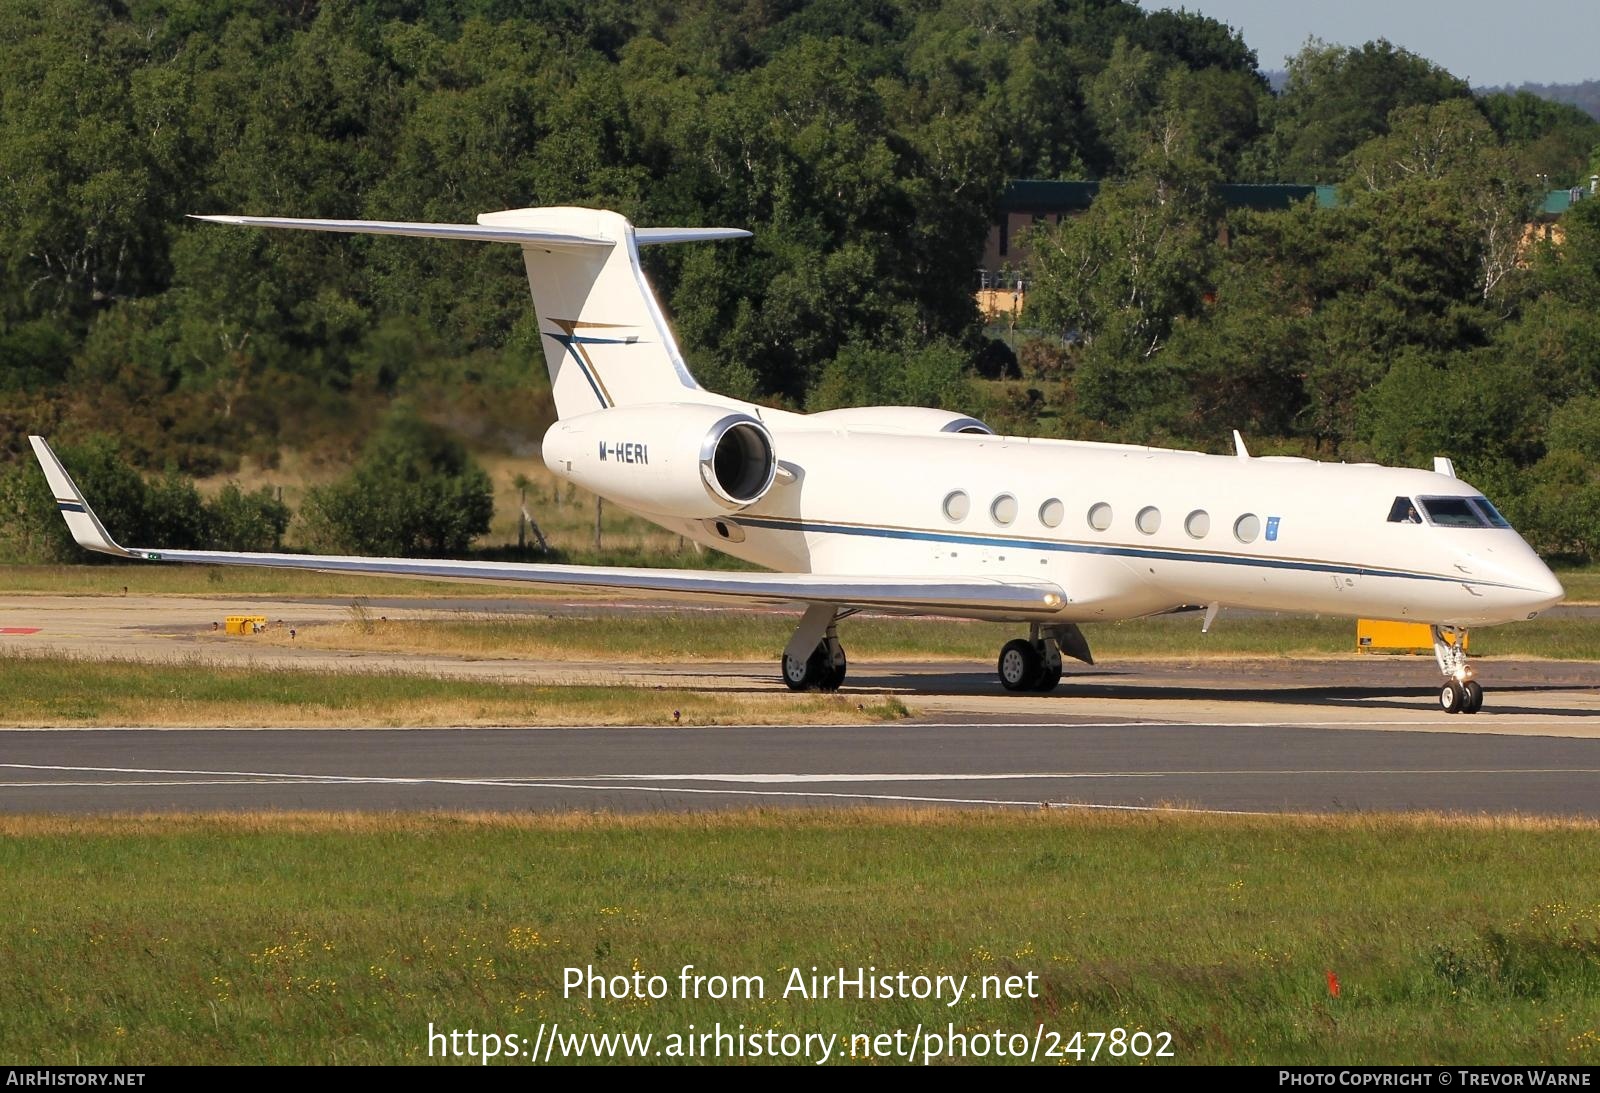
(1473, 696)
(1452, 697)
(1048, 677)
(836, 672)
(1020, 665)
(815, 673)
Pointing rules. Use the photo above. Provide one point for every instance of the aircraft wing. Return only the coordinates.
(910, 594)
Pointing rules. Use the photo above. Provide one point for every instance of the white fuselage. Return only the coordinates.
(1116, 527)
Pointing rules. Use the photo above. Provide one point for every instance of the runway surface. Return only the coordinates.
(1222, 734)
(1259, 767)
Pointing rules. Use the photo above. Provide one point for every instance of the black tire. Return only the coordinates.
(1048, 678)
(810, 676)
(836, 672)
(1474, 696)
(1019, 666)
(1452, 697)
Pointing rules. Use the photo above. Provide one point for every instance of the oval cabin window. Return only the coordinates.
(1198, 524)
(1004, 509)
(1100, 516)
(1247, 527)
(1148, 520)
(1051, 513)
(957, 505)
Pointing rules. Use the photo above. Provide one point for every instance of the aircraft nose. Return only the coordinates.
(1526, 585)
(1536, 588)
(1544, 589)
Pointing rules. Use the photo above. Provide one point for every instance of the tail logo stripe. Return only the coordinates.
(574, 342)
(584, 366)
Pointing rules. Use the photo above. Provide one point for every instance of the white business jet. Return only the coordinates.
(919, 511)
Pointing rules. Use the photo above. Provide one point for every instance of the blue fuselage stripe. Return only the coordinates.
(1145, 553)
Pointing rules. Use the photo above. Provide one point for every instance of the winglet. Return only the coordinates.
(81, 520)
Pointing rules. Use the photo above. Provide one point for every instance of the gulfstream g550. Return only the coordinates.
(920, 511)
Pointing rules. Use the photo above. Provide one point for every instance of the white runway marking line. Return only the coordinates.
(307, 780)
(619, 781)
(168, 782)
(622, 783)
(1074, 774)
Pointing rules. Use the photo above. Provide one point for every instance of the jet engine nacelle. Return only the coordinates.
(679, 459)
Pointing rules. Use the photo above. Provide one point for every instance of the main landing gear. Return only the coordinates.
(1460, 693)
(823, 668)
(1034, 663)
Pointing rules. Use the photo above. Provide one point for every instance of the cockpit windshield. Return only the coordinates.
(1447, 512)
(1489, 512)
(1452, 512)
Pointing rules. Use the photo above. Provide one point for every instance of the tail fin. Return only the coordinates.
(606, 341)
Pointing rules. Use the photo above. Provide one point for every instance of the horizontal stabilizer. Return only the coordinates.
(493, 228)
(647, 236)
(481, 232)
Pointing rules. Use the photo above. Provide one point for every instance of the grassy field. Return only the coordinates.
(669, 636)
(57, 690)
(1582, 585)
(288, 939)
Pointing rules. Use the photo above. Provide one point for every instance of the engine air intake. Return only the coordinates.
(737, 459)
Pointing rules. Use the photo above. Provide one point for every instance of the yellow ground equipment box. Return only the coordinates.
(1374, 636)
(245, 624)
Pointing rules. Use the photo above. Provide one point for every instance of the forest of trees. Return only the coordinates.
(866, 143)
(1585, 95)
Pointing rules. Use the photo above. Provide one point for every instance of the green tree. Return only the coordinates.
(414, 491)
(237, 520)
(936, 376)
(1451, 145)
(1338, 97)
(1553, 140)
(1120, 276)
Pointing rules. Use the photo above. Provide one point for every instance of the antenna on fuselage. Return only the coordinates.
(1443, 465)
(1238, 446)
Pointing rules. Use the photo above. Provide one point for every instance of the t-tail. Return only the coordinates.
(606, 341)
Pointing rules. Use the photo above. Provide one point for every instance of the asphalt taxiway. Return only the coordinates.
(1289, 766)
(1228, 735)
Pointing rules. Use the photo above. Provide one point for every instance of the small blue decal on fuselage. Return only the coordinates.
(1272, 529)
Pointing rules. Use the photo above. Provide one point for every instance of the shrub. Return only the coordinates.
(414, 492)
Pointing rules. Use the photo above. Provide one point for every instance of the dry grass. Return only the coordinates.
(1063, 820)
(674, 636)
(55, 690)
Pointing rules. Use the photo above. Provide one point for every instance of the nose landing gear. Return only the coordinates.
(1460, 693)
